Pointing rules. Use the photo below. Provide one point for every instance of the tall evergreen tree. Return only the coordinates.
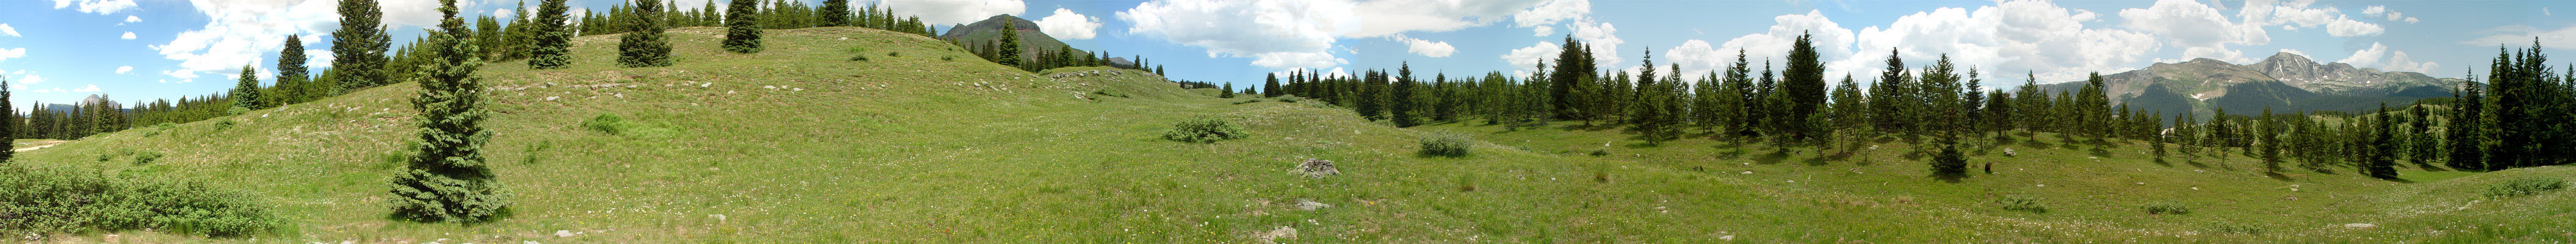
(1573, 70)
(1270, 85)
(1367, 96)
(2467, 128)
(292, 76)
(448, 178)
(2380, 163)
(358, 47)
(1401, 101)
(742, 31)
(1011, 45)
(835, 12)
(553, 48)
(10, 127)
(246, 92)
(645, 45)
(1804, 85)
(2269, 135)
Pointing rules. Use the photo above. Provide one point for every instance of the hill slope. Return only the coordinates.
(922, 143)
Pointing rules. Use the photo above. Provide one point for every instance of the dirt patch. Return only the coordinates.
(33, 145)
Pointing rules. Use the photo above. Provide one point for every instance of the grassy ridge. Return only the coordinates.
(925, 143)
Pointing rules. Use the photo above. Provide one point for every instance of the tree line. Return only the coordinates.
(1941, 109)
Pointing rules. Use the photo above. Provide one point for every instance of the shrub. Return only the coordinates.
(1203, 129)
(1247, 101)
(947, 58)
(2167, 208)
(861, 57)
(606, 123)
(1447, 144)
(614, 125)
(2525, 186)
(69, 201)
(1287, 99)
(146, 157)
(2233, 228)
(894, 54)
(2021, 203)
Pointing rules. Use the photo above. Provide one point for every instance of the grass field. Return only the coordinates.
(922, 143)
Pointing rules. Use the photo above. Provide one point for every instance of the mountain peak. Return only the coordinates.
(2286, 58)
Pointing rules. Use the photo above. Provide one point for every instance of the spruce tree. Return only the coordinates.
(1270, 85)
(1401, 101)
(448, 178)
(742, 31)
(2268, 134)
(9, 123)
(553, 48)
(1227, 92)
(1804, 85)
(2467, 149)
(645, 45)
(246, 92)
(1367, 98)
(358, 47)
(836, 12)
(2380, 163)
(1010, 51)
(292, 78)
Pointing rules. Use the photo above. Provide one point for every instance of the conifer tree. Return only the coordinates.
(553, 48)
(1227, 92)
(835, 12)
(246, 92)
(1010, 51)
(1401, 101)
(1270, 85)
(10, 129)
(448, 178)
(1367, 98)
(645, 46)
(292, 76)
(2380, 164)
(358, 47)
(1803, 83)
(2271, 142)
(742, 31)
(2467, 128)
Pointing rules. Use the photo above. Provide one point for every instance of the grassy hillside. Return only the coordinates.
(922, 143)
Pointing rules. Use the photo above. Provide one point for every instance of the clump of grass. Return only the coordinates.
(1203, 129)
(225, 124)
(615, 125)
(1447, 144)
(2525, 186)
(2232, 228)
(146, 157)
(71, 201)
(894, 54)
(1247, 101)
(1107, 93)
(2167, 208)
(157, 129)
(606, 123)
(947, 58)
(2022, 203)
(861, 57)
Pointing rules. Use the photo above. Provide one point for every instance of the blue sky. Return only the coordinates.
(58, 51)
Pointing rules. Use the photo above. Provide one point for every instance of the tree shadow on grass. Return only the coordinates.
(2278, 176)
(2160, 161)
(2195, 163)
(1771, 158)
(2100, 151)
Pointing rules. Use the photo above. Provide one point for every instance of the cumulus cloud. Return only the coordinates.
(101, 7)
(1834, 45)
(1603, 39)
(2379, 56)
(2010, 37)
(1540, 18)
(316, 58)
(1527, 59)
(129, 35)
(1426, 48)
(10, 53)
(2199, 29)
(1065, 24)
(124, 69)
(242, 32)
(1387, 17)
(949, 12)
(132, 19)
(11, 31)
(2519, 35)
(86, 88)
(31, 79)
(1277, 34)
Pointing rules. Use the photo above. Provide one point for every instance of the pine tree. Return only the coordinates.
(1567, 82)
(1804, 85)
(836, 13)
(2271, 142)
(246, 93)
(1270, 85)
(553, 48)
(1401, 101)
(645, 46)
(1949, 164)
(2467, 149)
(447, 178)
(1889, 97)
(1227, 92)
(1010, 50)
(2380, 164)
(358, 47)
(10, 129)
(742, 32)
(1367, 98)
(292, 78)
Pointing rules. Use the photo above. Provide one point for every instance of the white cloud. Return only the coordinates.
(2374, 10)
(31, 79)
(12, 31)
(2351, 28)
(87, 88)
(2199, 29)
(132, 19)
(124, 69)
(1834, 46)
(101, 7)
(1549, 13)
(1527, 59)
(129, 35)
(317, 58)
(2522, 35)
(2297, 13)
(242, 32)
(1387, 17)
(10, 53)
(1277, 34)
(1065, 24)
(949, 12)
(1426, 48)
(2295, 52)
(2010, 37)
(1603, 39)
(2379, 56)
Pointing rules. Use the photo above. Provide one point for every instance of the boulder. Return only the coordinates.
(1318, 168)
(2360, 226)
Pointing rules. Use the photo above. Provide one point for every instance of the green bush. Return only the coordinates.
(73, 201)
(2525, 186)
(614, 125)
(1203, 129)
(2167, 208)
(146, 157)
(2021, 203)
(605, 123)
(1447, 144)
(1247, 101)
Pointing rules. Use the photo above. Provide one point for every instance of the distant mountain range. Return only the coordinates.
(1032, 40)
(2284, 82)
